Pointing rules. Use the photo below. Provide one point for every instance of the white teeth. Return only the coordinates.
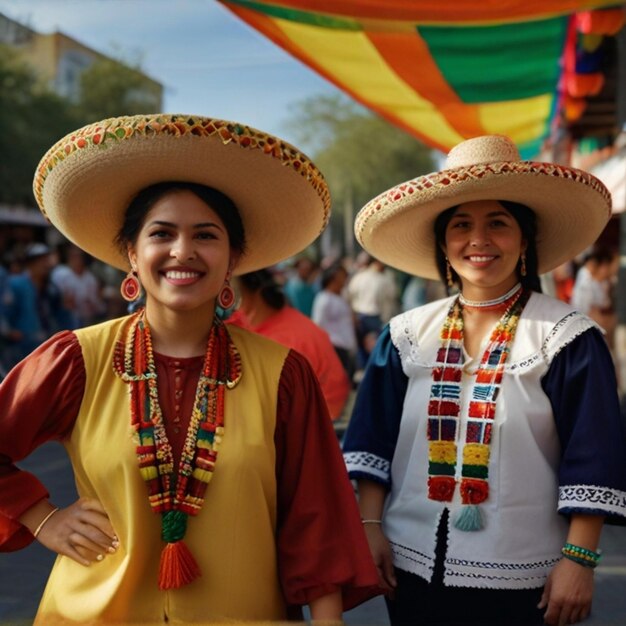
(481, 259)
(180, 275)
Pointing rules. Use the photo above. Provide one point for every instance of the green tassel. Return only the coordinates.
(469, 519)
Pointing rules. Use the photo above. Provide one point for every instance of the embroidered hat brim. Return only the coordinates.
(572, 206)
(85, 182)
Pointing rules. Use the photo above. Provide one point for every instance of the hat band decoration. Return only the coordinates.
(86, 181)
(475, 172)
(125, 128)
(571, 207)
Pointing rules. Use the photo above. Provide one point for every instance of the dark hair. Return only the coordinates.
(330, 272)
(526, 220)
(600, 255)
(263, 281)
(217, 201)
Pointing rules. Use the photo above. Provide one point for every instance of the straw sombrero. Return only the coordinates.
(572, 206)
(86, 180)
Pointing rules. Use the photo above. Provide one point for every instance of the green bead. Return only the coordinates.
(595, 556)
(173, 526)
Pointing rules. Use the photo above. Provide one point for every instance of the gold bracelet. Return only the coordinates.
(44, 520)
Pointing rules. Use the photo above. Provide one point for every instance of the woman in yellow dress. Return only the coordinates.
(210, 480)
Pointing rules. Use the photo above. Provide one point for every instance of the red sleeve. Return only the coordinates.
(40, 400)
(321, 543)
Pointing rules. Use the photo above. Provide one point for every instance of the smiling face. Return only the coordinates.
(182, 254)
(483, 243)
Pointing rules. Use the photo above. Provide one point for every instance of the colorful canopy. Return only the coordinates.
(447, 70)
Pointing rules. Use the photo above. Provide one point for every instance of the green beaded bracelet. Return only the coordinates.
(582, 551)
(578, 560)
(582, 556)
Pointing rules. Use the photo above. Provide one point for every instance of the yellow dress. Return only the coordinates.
(232, 538)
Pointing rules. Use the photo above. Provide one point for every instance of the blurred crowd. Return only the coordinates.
(44, 290)
(589, 284)
(332, 311)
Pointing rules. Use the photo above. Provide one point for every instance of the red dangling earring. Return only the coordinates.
(226, 297)
(131, 287)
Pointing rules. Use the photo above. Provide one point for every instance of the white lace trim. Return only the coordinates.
(402, 333)
(368, 463)
(492, 575)
(477, 574)
(413, 561)
(591, 497)
(566, 330)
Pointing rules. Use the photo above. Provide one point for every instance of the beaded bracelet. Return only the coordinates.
(582, 556)
(582, 562)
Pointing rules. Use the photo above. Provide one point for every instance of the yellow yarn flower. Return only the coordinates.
(442, 452)
(475, 454)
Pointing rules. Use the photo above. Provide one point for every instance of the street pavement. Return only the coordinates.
(23, 574)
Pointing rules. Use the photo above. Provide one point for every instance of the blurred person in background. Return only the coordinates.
(5, 299)
(332, 312)
(35, 308)
(79, 286)
(264, 309)
(593, 292)
(300, 287)
(564, 280)
(372, 294)
(413, 292)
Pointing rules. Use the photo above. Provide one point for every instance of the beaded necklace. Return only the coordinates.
(444, 409)
(502, 302)
(175, 497)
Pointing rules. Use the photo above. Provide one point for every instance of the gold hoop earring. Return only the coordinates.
(522, 269)
(449, 279)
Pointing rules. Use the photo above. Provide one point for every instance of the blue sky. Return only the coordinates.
(209, 62)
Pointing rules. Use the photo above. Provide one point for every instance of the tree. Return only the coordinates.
(359, 153)
(31, 119)
(110, 88)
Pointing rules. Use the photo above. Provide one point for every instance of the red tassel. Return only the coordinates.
(178, 567)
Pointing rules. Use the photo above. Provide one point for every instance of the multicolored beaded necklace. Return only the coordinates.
(173, 496)
(444, 408)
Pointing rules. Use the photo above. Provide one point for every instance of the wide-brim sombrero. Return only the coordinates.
(572, 206)
(85, 182)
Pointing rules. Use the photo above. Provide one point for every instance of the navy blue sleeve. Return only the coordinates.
(370, 440)
(582, 389)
